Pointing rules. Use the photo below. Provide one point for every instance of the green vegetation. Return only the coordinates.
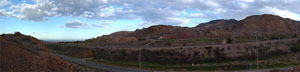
(17, 33)
(274, 62)
(66, 50)
(278, 36)
(141, 39)
(26, 39)
(229, 41)
(295, 48)
(98, 40)
(214, 58)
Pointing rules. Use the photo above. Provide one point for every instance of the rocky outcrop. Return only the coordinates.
(207, 53)
(217, 23)
(117, 34)
(265, 25)
(27, 54)
(157, 31)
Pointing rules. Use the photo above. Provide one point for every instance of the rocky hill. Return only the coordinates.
(216, 23)
(117, 34)
(27, 54)
(265, 25)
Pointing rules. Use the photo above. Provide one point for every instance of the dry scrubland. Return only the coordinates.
(27, 54)
(218, 44)
(272, 53)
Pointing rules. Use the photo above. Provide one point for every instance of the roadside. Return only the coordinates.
(283, 61)
(82, 68)
(85, 66)
(97, 66)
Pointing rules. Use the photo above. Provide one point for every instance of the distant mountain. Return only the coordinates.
(256, 25)
(157, 31)
(117, 34)
(19, 52)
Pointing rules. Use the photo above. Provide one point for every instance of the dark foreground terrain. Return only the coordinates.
(27, 54)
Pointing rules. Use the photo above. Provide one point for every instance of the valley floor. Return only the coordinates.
(283, 61)
(98, 66)
(101, 67)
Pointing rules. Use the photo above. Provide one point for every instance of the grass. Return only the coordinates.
(279, 61)
(154, 66)
(273, 62)
(228, 66)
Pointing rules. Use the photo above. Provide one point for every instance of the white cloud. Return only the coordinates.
(4, 3)
(196, 15)
(212, 3)
(33, 12)
(282, 13)
(76, 24)
(248, 0)
(150, 11)
(180, 21)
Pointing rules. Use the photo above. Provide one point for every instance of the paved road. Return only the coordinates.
(98, 66)
(268, 70)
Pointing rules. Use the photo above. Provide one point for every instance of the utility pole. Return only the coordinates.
(297, 34)
(140, 59)
(257, 53)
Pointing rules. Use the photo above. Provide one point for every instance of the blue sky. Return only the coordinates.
(84, 19)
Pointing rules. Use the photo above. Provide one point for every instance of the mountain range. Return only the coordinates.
(264, 25)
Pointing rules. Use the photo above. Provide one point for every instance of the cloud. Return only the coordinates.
(32, 12)
(150, 11)
(282, 13)
(76, 24)
(4, 3)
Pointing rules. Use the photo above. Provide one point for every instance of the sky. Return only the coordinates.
(85, 19)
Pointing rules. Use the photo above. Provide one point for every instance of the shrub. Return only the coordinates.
(26, 39)
(275, 37)
(17, 33)
(229, 41)
(141, 39)
(123, 53)
(295, 48)
(207, 40)
(295, 36)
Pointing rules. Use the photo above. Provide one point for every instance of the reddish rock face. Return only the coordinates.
(28, 54)
(217, 23)
(117, 34)
(256, 25)
(85, 54)
(267, 25)
(155, 32)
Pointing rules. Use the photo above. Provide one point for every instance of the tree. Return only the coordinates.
(295, 48)
(17, 33)
(229, 40)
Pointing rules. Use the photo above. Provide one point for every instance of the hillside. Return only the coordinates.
(265, 25)
(27, 54)
(267, 40)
